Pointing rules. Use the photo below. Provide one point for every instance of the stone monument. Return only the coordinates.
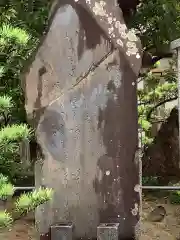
(81, 97)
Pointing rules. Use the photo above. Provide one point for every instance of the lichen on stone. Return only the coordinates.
(135, 210)
(98, 9)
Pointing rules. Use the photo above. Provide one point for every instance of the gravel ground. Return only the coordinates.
(21, 230)
(168, 229)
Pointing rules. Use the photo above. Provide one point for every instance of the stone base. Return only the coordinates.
(62, 232)
(108, 231)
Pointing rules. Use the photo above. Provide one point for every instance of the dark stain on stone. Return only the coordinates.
(90, 32)
(119, 134)
(35, 151)
(38, 109)
(53, 128)
(81, 42)
(100, 118)
(42, 71)
(111, 87)
(46, 236)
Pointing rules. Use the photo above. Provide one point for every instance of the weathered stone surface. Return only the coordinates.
(60, 231)
(81, 88)
(108, 231)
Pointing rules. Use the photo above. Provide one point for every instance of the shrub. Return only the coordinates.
(24, 204)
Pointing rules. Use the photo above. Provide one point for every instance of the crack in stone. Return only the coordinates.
(92, 69)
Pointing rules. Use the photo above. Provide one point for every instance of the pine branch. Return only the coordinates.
(158, 105)
(23, 205)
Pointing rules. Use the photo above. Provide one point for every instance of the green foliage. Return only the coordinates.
(24, 204)
(174, 197)
(28, 202)
(21, 25)
(13, 133)
(10, 139)
(157, 23)
(150, 181)
(16, 35)
(6, 191)
(6, 188)
(5, 104)
(6, 219)
(153, 96)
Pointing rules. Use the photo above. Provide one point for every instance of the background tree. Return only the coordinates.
(157, 23)
(21, 25)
